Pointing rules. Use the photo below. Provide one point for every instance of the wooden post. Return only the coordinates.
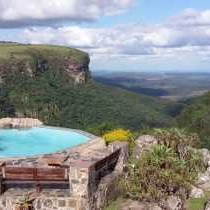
(37, 186)
(1, 186)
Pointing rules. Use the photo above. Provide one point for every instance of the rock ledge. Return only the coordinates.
(19, 122)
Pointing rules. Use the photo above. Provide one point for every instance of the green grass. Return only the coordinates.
(192, 204)
(24, 51)
(112, 206)
(198, 203)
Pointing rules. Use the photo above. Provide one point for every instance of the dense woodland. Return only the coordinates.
(53, 99)
(196, 117)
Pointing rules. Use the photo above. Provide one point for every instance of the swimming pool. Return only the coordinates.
(38, 141)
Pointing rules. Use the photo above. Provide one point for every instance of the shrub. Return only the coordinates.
(102, 128)
(175, 137)
(159, 173)
(118, 135)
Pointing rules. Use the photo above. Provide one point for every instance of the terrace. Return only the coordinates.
(81, 177)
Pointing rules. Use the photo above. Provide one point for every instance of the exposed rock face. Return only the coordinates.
(19, 122)
(207, 206)
(78, 72)
(205, 156)
(174, 203)
(73, 62)
(135, 205)
(204, 180)
(144, 143)
(196, 192)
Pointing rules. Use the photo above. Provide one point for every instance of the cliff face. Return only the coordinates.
(34, 60)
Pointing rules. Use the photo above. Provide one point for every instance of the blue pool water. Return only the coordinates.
(37, 141)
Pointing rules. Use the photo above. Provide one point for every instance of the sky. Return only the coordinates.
(119, 35)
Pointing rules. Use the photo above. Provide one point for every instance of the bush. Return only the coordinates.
(159, 173)
(175, 137)
(118, 135)
(102, 128)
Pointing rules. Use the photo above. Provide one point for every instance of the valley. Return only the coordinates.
(173, 86)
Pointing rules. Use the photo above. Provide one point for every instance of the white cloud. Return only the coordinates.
(176, 39)
(191, 17)
(15, 13)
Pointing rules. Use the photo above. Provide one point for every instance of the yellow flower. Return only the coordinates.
(117, 135)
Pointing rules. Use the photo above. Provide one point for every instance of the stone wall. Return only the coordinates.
(42, 203)
(94, 185)
(92, 181)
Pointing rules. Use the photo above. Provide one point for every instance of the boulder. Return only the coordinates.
(174, 203)
(19, 122)
(144, 143)
(203, 181)
(136, 205)
(205, 153)
(196, 192)
(207, 207)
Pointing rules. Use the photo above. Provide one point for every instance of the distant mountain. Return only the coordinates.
(129, 84)
(54, 84)
(172, 86)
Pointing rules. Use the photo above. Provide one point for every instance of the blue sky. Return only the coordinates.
(119, 35)
(153, 11)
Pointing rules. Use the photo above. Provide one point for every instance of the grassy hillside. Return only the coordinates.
(50, 97)
(21, 51)
(196, 118)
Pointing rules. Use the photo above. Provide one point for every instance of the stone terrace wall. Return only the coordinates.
(92, 180)
(94, 185)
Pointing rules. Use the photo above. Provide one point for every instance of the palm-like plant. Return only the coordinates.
(160, 172)
(25, 202)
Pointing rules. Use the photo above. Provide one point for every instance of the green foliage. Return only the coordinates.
(102, 128)
(196, 116)
(21, 51)
(113, 206)
(53, 98)
(25, 201)
(159, 173)
(198, 203)
(176, 138)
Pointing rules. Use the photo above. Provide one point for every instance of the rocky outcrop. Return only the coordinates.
(37, 60)
(203, 181)
(19, 122)
(207, 206)
(144, 143)
(205, 156)
(78, 72)
(196, 192)
(174, 203)
(136, 205)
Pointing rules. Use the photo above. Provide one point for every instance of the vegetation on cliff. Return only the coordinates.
(196, 116)
(50, 94)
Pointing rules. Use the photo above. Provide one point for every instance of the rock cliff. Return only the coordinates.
(35, 60)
